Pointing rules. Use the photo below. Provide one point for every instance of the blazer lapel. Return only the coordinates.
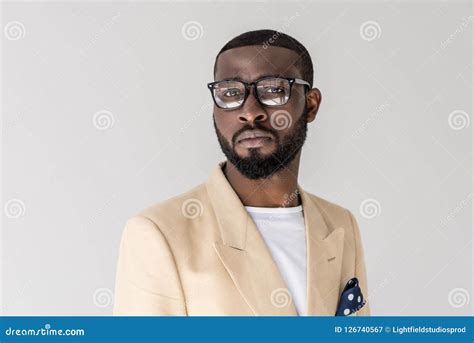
(250, 264)
(244, 253)
(324, 246)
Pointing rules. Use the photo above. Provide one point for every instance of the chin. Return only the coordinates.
(253, 152)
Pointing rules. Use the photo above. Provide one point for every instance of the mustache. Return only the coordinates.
(272, 131)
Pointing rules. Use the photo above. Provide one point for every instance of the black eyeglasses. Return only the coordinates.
(269, 91)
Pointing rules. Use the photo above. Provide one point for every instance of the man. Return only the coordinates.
(249, 241)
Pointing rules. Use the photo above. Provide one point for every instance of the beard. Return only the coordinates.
(257, 166)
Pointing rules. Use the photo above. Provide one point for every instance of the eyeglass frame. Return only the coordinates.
(247, 85)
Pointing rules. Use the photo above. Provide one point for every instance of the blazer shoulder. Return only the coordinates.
(326, 204)
(177, 209)
(334, 213)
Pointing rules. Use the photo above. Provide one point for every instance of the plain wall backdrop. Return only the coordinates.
(105, 111)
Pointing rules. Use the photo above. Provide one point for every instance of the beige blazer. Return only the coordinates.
(201, 254)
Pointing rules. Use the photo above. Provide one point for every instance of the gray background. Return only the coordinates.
(105, 112)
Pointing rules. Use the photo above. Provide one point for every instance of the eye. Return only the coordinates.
(274, 90)
(232, 92)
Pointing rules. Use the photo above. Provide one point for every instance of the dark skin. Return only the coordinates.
(250, 63)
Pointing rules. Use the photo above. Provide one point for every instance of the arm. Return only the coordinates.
(360, 272)
(147, 280)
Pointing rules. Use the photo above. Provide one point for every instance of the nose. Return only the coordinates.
(252, 111)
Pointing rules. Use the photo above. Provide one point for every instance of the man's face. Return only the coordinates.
(284, 127)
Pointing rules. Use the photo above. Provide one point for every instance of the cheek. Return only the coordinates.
(224, 124)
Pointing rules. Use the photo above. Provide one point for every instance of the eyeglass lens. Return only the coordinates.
(271, 92)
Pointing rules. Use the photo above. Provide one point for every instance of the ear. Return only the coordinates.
(313, 100)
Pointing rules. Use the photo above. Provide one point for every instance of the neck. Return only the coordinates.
(279, 190)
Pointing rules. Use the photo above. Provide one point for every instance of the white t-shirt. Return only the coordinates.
(284, 233)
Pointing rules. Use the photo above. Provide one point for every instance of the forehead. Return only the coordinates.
(249, 63)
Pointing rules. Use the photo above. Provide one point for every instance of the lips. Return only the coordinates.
(253, 134)
(254, 138)
(255, 142)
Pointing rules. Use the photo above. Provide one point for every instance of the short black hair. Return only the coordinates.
(267, 38)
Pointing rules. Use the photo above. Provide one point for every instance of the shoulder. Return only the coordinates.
(335, 214)
(176, 212)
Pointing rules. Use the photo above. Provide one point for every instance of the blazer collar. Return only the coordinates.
(249, 262)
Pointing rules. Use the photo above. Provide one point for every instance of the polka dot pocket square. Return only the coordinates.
(351, 299)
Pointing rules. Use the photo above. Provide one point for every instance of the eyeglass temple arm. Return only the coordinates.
(302, 82)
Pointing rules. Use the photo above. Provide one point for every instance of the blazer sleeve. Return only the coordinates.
(147, 282)
(360, 270)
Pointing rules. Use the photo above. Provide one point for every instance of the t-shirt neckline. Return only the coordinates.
(279, 210)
